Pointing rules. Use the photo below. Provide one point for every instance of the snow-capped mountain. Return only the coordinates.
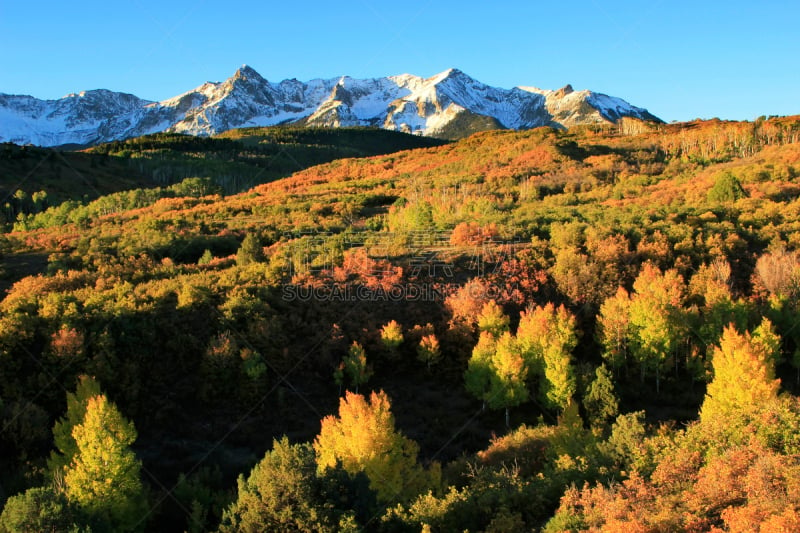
(446, 105)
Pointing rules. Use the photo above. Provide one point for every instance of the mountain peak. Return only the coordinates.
(450, 104)
(564, 91)
(246, 72)
(451, 73)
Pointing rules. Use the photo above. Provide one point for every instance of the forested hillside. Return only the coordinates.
(557, 330)
(34, 179)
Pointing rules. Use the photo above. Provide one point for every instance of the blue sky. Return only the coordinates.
(679, 59)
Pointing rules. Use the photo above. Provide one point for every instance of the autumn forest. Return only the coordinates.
(287, 329)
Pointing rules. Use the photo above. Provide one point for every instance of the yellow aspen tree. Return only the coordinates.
(363, 438)
(104, 477)
(87, 388)
(656, 318)
(428, 350)
(392, 335)
(531, 333)
(744, 372)
(613, 328)
(560, 385)
(477, 377)
(507, 387)
(492, 319)
(546, 337)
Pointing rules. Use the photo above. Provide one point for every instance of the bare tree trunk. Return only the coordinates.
(658, 379)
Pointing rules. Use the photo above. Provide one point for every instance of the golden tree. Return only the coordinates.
(428, 350)
(492, 319)
(103, 478)
(613, 326)
(363, 438)
(507, 387)
(744, 373)
(478, 375)
(65, 443)
(656, 318)
(546, 337)
(392, 335)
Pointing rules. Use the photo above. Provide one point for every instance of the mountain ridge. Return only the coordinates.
(425, 106)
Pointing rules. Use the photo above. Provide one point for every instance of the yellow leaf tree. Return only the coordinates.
(613, 326)
(507, 387)
(428, 350)
(478, 375)
(744, 373)
(546, 337)
(103, 479)
(492, 319)
(392, 335)
(87, 388)
(656, 318)
(363, 438)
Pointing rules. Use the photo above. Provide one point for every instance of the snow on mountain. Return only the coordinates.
(568, 107)
(84, 118)
(426, 106)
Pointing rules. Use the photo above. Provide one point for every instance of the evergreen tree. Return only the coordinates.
(600, 400)
(284, 492)
(206, 258)
(353, 366)
(250, 251)
(38, 509)
(726, 190)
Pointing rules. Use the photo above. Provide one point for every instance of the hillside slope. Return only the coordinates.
(33, 179)
(544, 310)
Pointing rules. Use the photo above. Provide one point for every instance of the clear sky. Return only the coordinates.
(680, 59)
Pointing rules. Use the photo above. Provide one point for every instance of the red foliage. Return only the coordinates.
(66, 342)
